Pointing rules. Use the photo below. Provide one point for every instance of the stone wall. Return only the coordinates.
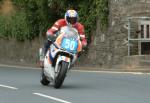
(108, 49)
(20, 53)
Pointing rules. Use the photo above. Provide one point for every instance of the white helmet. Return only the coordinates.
(71, 17)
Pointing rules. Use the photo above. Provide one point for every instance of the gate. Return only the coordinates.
(138, 35)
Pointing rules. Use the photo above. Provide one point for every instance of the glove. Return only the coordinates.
(50, 37)
(84, 44)
(81, 52)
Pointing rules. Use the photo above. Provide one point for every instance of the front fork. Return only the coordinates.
(59, 59)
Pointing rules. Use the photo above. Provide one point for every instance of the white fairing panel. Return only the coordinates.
(48, 69)
(53, 51)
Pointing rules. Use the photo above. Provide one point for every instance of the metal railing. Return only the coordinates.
(138, 39)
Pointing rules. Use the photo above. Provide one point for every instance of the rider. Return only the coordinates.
(71, 19)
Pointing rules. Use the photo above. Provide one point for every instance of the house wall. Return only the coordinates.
(109, 49)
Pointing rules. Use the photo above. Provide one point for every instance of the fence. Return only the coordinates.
(138, 35)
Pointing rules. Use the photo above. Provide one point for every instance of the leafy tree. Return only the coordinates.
(33, 17)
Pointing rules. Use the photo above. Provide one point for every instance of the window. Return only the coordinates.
(144, 44)
(142, 31)
(147, 30)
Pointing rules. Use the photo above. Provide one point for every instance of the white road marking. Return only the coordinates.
(13, 66)
(137, 73)
(115, 72)
(10, 87)
(50, 97)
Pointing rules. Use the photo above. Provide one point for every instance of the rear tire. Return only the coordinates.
(63, 66)
(44, 80)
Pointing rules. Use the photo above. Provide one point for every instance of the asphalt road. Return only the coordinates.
(23, 86)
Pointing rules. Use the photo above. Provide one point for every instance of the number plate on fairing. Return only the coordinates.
(70, 45)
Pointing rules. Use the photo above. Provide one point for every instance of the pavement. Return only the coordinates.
(84, 68)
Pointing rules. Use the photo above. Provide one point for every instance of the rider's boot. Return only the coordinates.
(43, 52)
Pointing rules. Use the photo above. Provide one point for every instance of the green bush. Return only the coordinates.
(14, 26)
(5, 29)
(19, 27)
(36, 16)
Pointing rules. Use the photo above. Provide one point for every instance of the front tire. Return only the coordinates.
(44, 80)
(63, 66)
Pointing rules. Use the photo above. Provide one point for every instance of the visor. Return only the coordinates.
(72, 20)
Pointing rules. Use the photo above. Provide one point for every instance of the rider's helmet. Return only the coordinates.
(71, 17)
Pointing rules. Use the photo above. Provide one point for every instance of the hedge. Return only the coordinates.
(33, 17)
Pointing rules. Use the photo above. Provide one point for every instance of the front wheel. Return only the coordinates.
(62, 70)
(44, 80)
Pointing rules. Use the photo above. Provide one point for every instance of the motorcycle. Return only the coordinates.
(60, 57)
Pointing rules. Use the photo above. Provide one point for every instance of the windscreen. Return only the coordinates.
(70, 32)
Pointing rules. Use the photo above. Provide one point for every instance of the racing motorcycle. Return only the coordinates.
(60, 57)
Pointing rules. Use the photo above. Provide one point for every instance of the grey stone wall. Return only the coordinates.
(108, 49)
(19, 53)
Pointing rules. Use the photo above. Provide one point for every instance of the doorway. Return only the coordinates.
(145, 48)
